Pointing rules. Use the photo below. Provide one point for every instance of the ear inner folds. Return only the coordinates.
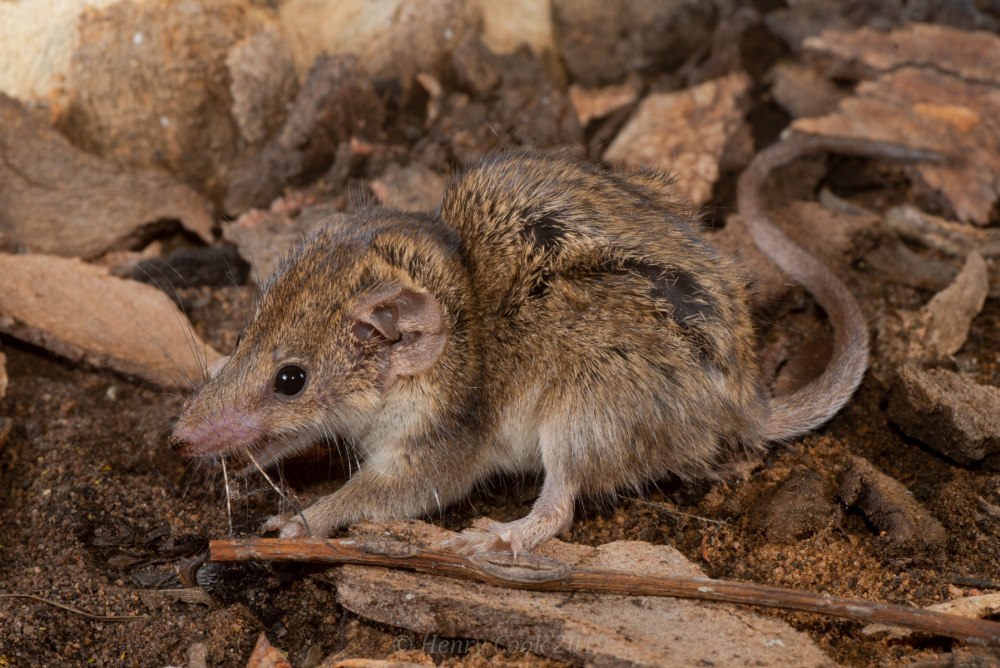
(409, 321)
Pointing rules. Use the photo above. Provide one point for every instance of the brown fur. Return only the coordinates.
(584, 328)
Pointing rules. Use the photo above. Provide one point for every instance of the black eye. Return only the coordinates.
(290, 380)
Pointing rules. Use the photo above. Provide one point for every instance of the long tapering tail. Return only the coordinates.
(809, 407)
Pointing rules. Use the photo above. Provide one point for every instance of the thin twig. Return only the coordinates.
(664, 507)
(543, 574)
(76, 611)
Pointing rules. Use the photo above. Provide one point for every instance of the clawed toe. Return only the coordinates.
(498, 537)
(471, 542)
(274, 523)
(287, 526)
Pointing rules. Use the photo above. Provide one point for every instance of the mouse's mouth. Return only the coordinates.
(240, 441)
(258, 456)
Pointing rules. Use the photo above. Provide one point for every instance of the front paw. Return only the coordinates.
(287, 526)
(317, 521)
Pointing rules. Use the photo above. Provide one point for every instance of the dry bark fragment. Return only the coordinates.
(941, 95)
(264, 238)
(56, 199)
(803, 18)
(802, 91)
(968, 54)
(906, 527)
(266, 655)
(924, 270)
(598, 630)
(394, 39)
(903, 265)
(962, 14)
(600, 42)
(151, 86)
(337, 101)
(593, 103)
(941, 234)
(685, 133)
(262, 70)
(477, 68)
(949, 314)
(507, 26)
(949, 413)
(198, 655)
(410, 188)
(940, 328)
(36, 45)
(79, 311)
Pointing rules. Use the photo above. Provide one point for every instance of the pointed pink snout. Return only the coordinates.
(221, 433)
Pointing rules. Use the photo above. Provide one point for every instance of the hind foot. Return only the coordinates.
(552, 512)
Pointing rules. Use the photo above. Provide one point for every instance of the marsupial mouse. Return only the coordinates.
(554, 316)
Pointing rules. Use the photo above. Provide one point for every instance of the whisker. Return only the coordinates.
(295, 506)
(229, 505)
(187, 330)
(189, 475)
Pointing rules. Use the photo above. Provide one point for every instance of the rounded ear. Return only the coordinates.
(408, 323)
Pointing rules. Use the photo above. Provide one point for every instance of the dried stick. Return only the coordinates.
(77, 611)
(542, 574)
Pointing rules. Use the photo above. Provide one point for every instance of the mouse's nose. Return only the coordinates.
(220, 433)
(178, 445)
(179, 441)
